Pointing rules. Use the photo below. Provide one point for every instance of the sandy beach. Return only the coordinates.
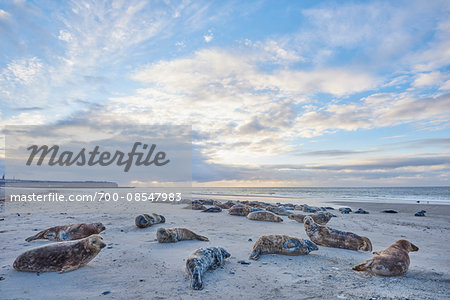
(134, 265)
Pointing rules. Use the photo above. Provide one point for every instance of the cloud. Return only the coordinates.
(4, 15)
(335, 152)
(445, 86)
(428, 79)
(208, 37)
(372, 113)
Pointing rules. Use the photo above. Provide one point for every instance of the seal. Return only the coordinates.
(264, 216)
(311, 209)
(278, 210)
(67, 232)
(345, 210)
(389, 211)
(212, 209)
(420, 213)
(281, 244)
(197, 205)
(62, 257)
(325, 236)
(320, 217)
(226, 205)
(392, 261)
(202, 260)
(239, 210)
(173, 235)
(145, 220)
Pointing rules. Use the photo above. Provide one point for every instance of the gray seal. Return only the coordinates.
(67, 232)
(281, 244)
(392, 261)
(146, 220)
(62, 257)
(173, 235)
(202, 260)
(328, 237)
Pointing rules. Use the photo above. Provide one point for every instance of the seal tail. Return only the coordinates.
(37, 236)
(368, 244)
(365, 266)
(201, 238)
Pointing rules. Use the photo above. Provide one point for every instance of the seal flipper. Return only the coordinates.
(37, 236)
(292, 245)
(365, 266)
(69, 268)
(201, 238)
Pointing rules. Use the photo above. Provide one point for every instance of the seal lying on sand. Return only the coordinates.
(145, 220)
(264, 216)
(67, 232)
(325, 236)
(202, 260)
(197, 205)
(278, 210)
(393, 261)
(225, 205)
(63, 257)
(239, 210)
(281, 244)
(320, 217)
(212, 209)
(173, 235)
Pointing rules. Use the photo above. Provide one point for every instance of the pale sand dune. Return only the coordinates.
(135, 266)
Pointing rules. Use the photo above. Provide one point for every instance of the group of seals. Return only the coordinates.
(80, 243)
(67, 232)
(62, 257)
(325, 236)
(392, 261)
(145, 220)
(173, 235)
(281, 244)
(202, 260)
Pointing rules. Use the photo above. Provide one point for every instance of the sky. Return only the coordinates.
(278, 93)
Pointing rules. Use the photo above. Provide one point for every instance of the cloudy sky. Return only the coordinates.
(278, 93)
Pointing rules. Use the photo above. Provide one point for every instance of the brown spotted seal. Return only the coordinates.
(62, 257)
(67, 232)
(264, 216)
(281, 244)
(393, 261)
(321, 218)
(202, 260)
(145, 220)
(239, 210)
(173, 235)
(325, 236)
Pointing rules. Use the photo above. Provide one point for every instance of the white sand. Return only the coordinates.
(135, 266)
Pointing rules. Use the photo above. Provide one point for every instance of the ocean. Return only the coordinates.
(424, 195)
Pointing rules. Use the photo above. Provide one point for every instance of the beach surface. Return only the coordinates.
(134, 265)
